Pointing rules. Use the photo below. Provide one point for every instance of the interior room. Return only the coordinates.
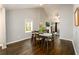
(39, 29)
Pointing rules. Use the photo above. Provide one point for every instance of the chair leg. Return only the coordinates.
(39, 43)
(47, 45)
(51, 45)
(34, 41)
(44, 45)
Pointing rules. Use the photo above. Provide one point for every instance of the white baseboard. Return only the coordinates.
(74, 48)
(65, 39)
(18, 40)
(72, 43)
(4, 47)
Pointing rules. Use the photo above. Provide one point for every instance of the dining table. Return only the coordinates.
(45, 35)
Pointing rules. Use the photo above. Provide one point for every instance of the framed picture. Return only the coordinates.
(76, 17)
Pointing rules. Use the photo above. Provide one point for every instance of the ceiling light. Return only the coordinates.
(41, 4)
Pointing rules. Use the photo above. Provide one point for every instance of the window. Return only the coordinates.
(28, 26)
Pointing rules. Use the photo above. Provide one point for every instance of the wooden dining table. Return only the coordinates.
(45, 35)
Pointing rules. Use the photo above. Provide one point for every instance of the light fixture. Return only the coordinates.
(56, 19)
(41, 4)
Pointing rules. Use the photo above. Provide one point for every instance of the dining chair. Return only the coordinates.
(39, 40)
(33, 37)
(49, 42)
(36, 39)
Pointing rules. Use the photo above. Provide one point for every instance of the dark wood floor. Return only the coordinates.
(61, 47)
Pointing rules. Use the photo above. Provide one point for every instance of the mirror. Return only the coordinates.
(77, 17)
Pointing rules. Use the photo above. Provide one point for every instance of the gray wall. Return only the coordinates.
(76, 33)
(16, 22)
(0, 29)
(66, 21)
(66, 18)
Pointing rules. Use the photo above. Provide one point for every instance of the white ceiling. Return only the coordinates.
(20, 6)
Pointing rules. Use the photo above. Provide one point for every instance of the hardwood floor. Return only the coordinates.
(61, 47)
